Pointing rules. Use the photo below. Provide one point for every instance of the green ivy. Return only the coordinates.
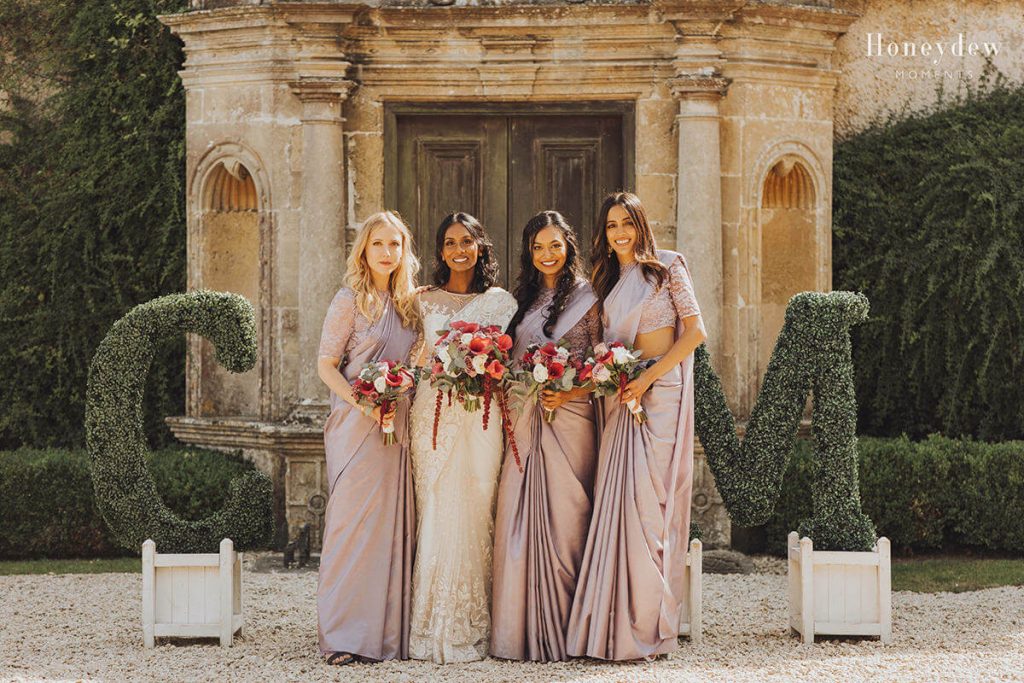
(929, 223)
(125, 492)
(92, 195)
(812, 353)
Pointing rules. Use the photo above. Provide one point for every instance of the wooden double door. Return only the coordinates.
(503, 168)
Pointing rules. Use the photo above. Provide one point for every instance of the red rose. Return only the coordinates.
(472, 328)
(367, 389)
(479, 345)
(585, 372)
(606, 358)
(555, 371)
(496, 369)
(393, 380)
(549, 350)
(504, 342)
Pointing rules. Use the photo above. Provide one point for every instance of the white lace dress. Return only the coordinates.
(456, 486)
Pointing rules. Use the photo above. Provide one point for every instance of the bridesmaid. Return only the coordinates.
(543, 512)
(363, 595)
(627, 599)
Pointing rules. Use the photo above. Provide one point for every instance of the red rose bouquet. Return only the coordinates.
(471, 365)
(613, 366)
(382, 384)
(552, 367)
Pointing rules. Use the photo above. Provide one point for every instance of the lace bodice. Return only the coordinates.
(585, 334)
(673, 300)
(344, 326)
(439, 307)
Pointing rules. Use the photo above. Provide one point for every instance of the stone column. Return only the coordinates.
(321, 263)
(699, 194)
(699, 238)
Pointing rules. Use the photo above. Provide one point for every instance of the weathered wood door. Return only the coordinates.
(503, 168)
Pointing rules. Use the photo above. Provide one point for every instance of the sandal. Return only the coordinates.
(340, 658)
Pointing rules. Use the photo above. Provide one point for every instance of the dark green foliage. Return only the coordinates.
(929, 224)
(92, 219)
(48, 506)
(125, 491)
(924, 495)
(812, 353)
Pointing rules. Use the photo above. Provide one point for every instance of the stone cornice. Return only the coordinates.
(700, 85)
(314, 89)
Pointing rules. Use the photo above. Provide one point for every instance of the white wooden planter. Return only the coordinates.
(839, 593)
(191, 595)
(692, 602)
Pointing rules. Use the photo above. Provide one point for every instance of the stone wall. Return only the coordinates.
(872, 86)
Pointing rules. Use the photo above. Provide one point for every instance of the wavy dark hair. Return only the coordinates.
(604, 263)
(530, 280)
(485, 274)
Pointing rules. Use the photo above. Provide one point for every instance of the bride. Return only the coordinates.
(455, 484)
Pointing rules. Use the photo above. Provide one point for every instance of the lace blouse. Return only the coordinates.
(345, 327)
(585, 333)
(672, 301)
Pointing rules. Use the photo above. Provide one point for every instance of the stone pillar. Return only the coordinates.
(699, 195)
(321, 247)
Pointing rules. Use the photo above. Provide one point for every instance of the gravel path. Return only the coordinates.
(87, 627)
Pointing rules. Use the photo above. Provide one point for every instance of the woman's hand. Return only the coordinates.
(636, 389)
(552, 400)
(388, 416)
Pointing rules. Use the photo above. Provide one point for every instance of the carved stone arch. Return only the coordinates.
(788, 196)
(230, 243)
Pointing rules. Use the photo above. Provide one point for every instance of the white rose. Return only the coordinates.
(466, 338)
(620, 354)
(600, 350)
(540, 373)
(480, 363)
(380, 384)
(602, 373)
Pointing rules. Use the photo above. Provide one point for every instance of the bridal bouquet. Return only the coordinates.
(550, 367)
(612, 367)
(471, 365)
(383, 383)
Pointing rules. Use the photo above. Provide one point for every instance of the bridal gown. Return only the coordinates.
(455, 487)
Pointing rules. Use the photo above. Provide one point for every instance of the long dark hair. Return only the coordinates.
(605, 265)
(485, 273)
(529, 282)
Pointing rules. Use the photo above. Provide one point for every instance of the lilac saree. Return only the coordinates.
(627, 599)
(363, 595)
(543, 512)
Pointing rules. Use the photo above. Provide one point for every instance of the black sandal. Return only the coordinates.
(340, 658)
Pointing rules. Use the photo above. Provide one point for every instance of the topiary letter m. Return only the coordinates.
(812, 354)
(125, 492)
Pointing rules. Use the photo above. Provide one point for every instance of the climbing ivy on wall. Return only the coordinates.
(929, 223)
(92, 190)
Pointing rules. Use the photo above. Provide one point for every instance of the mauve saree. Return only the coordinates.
(363, 595)
(543, 512)
(627, 598)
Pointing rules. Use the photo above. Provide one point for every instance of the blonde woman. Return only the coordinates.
(366, 562)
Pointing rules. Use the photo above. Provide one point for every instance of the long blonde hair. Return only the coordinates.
(402, 283)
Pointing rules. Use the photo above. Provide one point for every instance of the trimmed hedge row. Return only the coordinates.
(812, 353)
(922, 495)
(49, 510)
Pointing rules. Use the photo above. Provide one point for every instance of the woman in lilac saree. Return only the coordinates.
(627, 598)
(543, 512)
(363, 593)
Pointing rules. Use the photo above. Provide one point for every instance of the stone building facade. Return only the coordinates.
(718, 113)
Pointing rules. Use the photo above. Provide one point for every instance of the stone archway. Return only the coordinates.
(228, 241)
(789, 242)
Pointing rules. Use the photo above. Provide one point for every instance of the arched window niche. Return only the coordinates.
(226, 248)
